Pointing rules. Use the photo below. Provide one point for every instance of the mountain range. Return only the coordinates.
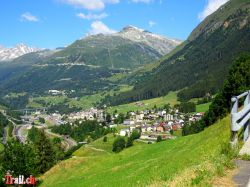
(86, 64)
(8, 54)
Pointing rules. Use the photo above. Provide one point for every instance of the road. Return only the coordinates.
(5, 135)
(18, 129)
(69, 142)
(18, 133)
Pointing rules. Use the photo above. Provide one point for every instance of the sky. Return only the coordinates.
(58, 23)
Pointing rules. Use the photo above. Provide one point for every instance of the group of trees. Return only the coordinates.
(186, 107)
(120, 143)
(3, 123)
(33, 158)
(80, 131)
(238, 81)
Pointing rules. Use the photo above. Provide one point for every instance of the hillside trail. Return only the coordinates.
(242, 177)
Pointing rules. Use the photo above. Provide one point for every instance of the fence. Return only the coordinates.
(240, 117)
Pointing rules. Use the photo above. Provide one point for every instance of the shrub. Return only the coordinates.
(119, 144)
(105, 139)
(159, 139)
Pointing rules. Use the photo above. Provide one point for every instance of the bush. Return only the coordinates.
(119, 144)
(135, 134)
(130, 142)
(159, 139)
(105, 139)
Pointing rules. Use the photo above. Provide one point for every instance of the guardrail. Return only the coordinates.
(240, 117)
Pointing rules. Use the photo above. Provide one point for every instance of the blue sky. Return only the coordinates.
(56, 23)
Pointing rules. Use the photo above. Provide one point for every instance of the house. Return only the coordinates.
(169, 117)
(124, 132)
(161, 113)
(54, 92)
(129, 122)
(112, 126)
(139, 117)
(132, 128)
(143, 129)
(149, 129)
(167, 128)
(159, 128)
(176, 127)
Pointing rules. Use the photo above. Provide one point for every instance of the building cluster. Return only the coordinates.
(156, 123)
(90, 114)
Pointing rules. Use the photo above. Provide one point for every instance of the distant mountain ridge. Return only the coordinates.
(7, 54)
(129, 48)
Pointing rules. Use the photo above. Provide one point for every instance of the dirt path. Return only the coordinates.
(242, 178)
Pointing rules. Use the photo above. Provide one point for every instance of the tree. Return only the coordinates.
(19, 158)
(33, 134)
(108, 118)
(45, 154)
(105, 139)
(135, 134)
(187, 107)
(10, 130)
(119, 144)
(120, 119)
(130, 142)
(167, 107)
(159, 139)
(41, 120)
(171, 132)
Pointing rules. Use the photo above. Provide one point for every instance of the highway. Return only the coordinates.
(5, 135)
(69, 142)
(18, 133)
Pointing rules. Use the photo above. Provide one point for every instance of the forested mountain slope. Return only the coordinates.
(201, 63)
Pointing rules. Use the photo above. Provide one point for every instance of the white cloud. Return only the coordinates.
(142, 1)
(152, 23)
(98, 27)
(90, 4)
(29, 17)
(91, 16)
(111, 1)
(211, 7)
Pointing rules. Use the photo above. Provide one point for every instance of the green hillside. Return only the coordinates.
(194, 159)
(200, 64)
(170, 98)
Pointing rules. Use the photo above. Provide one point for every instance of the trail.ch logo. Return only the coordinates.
(20, 180)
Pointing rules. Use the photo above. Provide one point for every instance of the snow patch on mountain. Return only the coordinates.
(8, 54)
(162, 44)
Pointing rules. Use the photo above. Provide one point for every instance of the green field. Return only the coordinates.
(84, 102)
(203, 107)
(171, 98)
(191, 160)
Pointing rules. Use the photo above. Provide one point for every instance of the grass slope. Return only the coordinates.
(187, 160)
(170, 98)
(203, 107)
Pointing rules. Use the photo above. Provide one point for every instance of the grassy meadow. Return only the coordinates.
(171, 98)
(186, 161)
(203, 107)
